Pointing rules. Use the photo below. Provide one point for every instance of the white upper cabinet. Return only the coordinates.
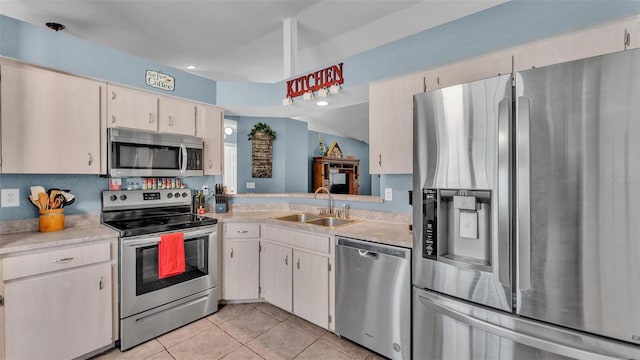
(177, 116)
(133, 109)
(50, 122)
(596, 41)
(472, 69)
(391, 124)
(210, 121)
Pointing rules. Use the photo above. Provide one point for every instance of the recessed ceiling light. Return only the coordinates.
(322, 103)
(191, 67)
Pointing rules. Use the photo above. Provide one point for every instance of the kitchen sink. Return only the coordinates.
(314, 219)
(303, 217)
(329, 221)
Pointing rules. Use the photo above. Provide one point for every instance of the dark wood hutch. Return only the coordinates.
(340, 176)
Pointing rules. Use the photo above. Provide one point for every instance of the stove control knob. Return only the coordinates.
(177, 195)
(113, 197)
(184, 194)
(123, 197)
(169, 195)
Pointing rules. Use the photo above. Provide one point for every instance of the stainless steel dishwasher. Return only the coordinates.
(373, 296)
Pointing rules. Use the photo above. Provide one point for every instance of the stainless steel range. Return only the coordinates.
(149, 305)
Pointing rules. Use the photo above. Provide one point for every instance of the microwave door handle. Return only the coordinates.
(183, 163)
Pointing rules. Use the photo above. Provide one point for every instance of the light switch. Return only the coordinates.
(468, 224)
(251, 185)
(388, 194)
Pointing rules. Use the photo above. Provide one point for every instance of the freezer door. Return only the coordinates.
(461, 178)
(444, 328)
(578, 181)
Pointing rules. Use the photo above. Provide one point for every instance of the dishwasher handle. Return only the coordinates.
(373, 250)
(368, 254)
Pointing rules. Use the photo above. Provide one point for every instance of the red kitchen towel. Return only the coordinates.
(170, 255)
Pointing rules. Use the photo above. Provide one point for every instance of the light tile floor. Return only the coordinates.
(246, 332)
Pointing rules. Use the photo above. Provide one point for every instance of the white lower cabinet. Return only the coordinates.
(311, 287)
(276, 276)
(295, 273)
(58, 304)
(240, 269)
(240, 261)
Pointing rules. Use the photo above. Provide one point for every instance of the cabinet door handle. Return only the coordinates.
(170, 120)
(150, 118)
(100, 284)
(380, 159)
(242, 231)
(113, 119)
(90, 159)
(231, 253)
(62, 261)
(113, 95)
(210, 164)
(298, 264)
(286, 260)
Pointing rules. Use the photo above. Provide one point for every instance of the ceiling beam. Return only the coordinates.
(290, 42)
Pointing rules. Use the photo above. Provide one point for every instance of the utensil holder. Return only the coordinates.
(51, 220)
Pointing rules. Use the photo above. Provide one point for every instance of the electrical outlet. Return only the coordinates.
(388, 194)
(251, 185)
(205, 190)
(10, 198)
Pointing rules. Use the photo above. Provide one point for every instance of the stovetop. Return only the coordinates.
(141, 212)
(134, 227)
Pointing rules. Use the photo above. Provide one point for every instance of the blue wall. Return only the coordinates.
(349, 147)
(289, 174)
(40, 46)
(506, 25)
(500, 27)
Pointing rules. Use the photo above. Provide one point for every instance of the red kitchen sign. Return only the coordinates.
(315, 81)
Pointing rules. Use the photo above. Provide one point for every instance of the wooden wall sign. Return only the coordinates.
(261, 155)
(159, 80)
(315, 81)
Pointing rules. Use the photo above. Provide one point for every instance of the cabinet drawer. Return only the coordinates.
(241, 231)
(33, 264)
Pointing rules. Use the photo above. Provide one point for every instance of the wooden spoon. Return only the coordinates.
(43, 199)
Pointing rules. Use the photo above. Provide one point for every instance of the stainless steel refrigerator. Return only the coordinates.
(526, 214)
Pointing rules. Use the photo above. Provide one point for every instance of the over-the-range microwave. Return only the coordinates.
(136, 153)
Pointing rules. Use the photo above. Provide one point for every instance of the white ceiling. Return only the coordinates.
(241, 40)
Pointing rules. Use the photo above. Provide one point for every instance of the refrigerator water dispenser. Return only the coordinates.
(461, 230)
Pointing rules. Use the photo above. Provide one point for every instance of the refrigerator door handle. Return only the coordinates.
(523, 198)
(504, 219)
(540, 340)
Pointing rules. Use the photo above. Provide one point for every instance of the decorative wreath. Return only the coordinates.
(266, 129)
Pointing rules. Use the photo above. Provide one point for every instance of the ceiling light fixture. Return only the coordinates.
(287, 101)
(322, 103)
(228, 130)
(335, 89)
(55, 26)
(191, 67)
(308, 95)
(324, 92)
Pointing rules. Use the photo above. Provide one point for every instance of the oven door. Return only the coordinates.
(140, 287)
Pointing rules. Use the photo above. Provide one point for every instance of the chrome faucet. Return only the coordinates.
(329, 204)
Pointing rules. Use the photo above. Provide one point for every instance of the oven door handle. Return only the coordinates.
(155, 240)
